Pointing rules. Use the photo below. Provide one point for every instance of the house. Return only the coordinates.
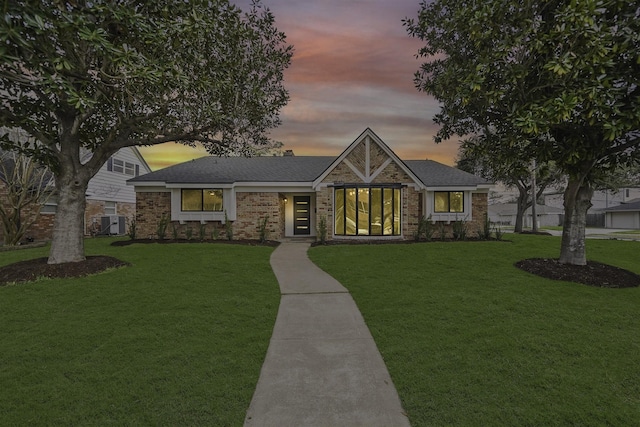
(505, 214)
(366, 192)
(625, 215)
(111, 202)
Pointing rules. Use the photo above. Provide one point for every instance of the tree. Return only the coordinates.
(562, 74)
(103, 75)
(510, 167)
(24, 188)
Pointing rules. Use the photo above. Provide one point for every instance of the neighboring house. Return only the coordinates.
(367, 192)
(601, 199)
(625, 215)
(505, 214)
(111, 202)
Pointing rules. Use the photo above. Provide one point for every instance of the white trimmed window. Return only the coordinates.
(110, 208)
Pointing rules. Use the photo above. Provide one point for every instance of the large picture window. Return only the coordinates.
(367, 211)
(209, 200)
(448, 202)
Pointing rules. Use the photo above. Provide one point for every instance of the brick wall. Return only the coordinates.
(324, 207)
(95, 210)
(252, 209)
(150, 208)
(474, 226)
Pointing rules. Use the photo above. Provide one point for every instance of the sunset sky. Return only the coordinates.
(352, 68)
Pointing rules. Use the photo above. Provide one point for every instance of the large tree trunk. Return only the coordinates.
(577, 201)
(67, 244)
(521, 207)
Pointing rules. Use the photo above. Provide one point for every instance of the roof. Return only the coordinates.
(227, 170)
(434, 174)
(633, 205)
(304, 169)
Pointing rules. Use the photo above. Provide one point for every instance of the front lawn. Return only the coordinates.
(471, 340)
(177, 338)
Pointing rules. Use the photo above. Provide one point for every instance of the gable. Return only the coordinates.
(367, 160)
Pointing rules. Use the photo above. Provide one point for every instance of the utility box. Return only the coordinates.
(112, 225)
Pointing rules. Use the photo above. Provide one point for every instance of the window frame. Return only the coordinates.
(110, 208)
(202, 199)
(449, 211)
(395, 204)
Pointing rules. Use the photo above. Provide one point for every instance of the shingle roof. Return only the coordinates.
(228, 170)
(434, 174)
(633, 205)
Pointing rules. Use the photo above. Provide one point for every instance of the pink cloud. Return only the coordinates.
(352, 68)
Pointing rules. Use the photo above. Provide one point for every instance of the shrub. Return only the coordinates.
(485, 233)
(189, 232)
(174, 231)
(442, 231)
(498, 232)
(202, 231)
(161, 230)
(459, 229)
(425, 229)
(263, 229)
(215, 233)
(132, 229)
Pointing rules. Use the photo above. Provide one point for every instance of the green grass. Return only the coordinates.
(470, 340)
(178, 338)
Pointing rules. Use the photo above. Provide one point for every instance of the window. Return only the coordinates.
(449, 201)
(120, 166)
(110, 208)
(367, 211)
(50, 206)
(202, 200)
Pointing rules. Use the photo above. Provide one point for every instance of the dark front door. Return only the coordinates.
(301, 215)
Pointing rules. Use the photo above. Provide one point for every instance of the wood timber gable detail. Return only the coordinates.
(367, 160)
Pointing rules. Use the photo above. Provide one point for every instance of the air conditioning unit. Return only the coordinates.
(112, 225)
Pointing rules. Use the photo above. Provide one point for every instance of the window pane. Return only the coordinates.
(212, 200)
(339, 211)
(109, 208)
(118, 166)
(363, 211)
(191, 200)
(456, 202)
(388, 212)
(129, 168)
(376, 211)
(397, 200)
(441, 201)
(350, 197)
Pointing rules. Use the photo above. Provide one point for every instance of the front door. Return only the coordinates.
(302, 215)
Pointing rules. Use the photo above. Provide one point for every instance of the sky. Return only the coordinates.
(352, 68)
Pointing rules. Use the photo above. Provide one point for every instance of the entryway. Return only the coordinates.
(301, 215)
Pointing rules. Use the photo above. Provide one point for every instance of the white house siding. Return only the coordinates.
(112, 186)
(108, 192)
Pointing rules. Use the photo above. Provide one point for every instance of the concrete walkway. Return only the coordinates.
(322, 367)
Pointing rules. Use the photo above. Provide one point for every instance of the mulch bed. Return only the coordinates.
(592, 274)
(245, 242)
(30, 270)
